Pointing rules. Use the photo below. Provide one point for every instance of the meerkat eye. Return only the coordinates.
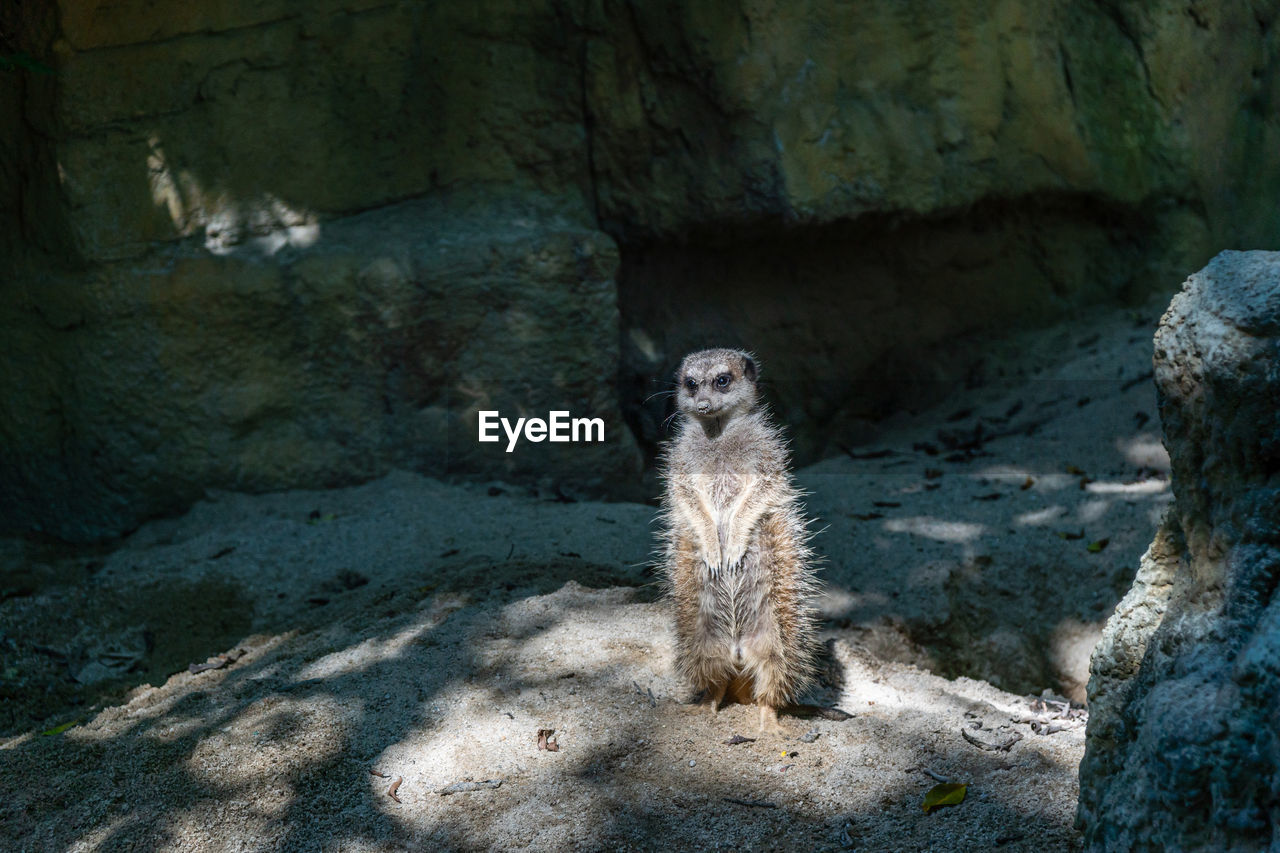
(691, 385)
(722, 381)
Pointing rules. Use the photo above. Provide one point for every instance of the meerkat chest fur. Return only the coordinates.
(740, 457)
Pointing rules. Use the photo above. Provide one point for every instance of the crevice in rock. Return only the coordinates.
(1126, 30)
(588, 127)
(1066, 71)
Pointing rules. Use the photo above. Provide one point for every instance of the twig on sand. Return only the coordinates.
(216, 662)
(380, 775)
(759, 804)
(395, 786)
(1002, 746)
(937, 777)
(1054, 726)
(653, 700)
(467, 787)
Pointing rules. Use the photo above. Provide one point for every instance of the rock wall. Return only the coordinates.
(907, 173)
(846, 188)
(1183, 748)
(733, 112)
(320, 364)
(228, 119)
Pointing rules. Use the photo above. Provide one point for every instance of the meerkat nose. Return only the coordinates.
(704, 406)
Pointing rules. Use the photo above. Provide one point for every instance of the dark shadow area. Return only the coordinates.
(887, 313)
(70, 644)
(995, 541)
(124, 791)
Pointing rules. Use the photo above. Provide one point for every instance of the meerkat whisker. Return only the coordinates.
(668, 393)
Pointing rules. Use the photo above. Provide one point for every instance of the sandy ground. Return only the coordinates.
(428, 631)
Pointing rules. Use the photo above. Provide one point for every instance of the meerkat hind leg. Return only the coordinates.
(769, 720)
(769, 693)
(715, 695)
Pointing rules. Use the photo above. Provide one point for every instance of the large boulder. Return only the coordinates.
(322, 356)
(1184, 739)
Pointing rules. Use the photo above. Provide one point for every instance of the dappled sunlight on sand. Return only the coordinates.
(1040, 517)
(286, 731)
(1139, 487)
(372, 651)
(1146, 450)
(938, 529)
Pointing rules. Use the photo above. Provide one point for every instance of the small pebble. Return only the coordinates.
(692, 762)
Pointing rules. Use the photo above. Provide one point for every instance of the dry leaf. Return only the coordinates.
(57, 730)
(945, 794)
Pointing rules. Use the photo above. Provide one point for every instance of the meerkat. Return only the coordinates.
(735, 553)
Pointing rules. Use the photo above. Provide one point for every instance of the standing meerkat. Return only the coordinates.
(736, 558)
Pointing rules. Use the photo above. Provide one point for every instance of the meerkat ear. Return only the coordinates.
(749, 368)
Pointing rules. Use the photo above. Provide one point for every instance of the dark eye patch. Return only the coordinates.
(723, 380)
(691, 384)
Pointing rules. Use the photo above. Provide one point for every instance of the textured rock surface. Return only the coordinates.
(903, 175)
(375, 346)
(820, 111)
(250, 116)
(665, 117)
(971, 167)
(1184, 745)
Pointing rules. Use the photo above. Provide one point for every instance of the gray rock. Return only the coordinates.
(371, 344)
(1183, 744)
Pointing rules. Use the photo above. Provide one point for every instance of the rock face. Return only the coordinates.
(1183, 743)
(846, 188)
(902, 176)
(372, 343)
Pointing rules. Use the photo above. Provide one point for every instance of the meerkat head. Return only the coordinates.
(716, 383)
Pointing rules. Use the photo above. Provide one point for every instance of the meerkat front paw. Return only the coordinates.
(713, 559)
(733, 559)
